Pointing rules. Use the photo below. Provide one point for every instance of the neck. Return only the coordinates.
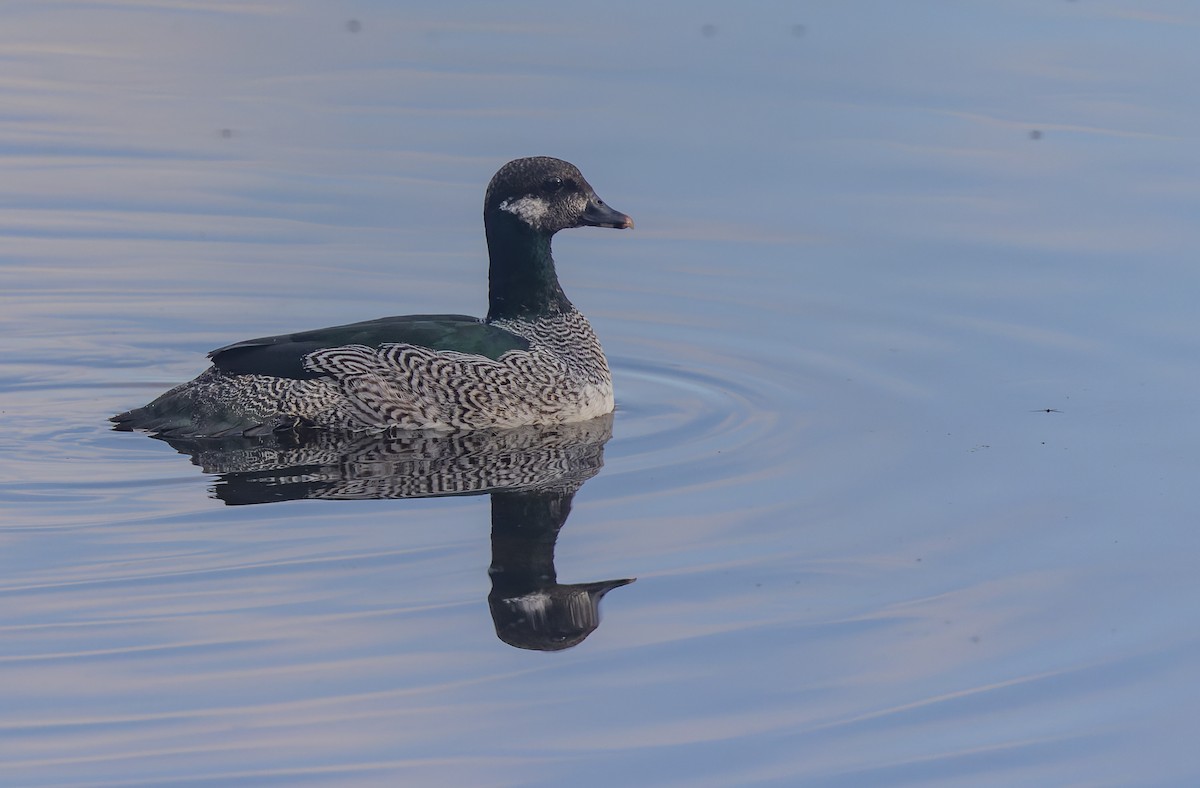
(525, 527)
(522, 281)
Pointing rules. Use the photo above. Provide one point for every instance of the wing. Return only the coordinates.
(282, 356)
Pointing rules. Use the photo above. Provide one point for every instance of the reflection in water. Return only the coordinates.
(532, 474)
(529, 607)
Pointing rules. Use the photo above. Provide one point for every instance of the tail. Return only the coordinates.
(155, 419)
(191, 411)
(129, 421)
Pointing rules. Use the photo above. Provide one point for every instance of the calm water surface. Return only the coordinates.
(905, 345)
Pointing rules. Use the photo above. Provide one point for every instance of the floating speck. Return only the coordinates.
(353, 26)
(708, 31)
(798, 31)
(1035, 134)
(226, 133)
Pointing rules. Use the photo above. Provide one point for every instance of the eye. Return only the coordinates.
(552, 185)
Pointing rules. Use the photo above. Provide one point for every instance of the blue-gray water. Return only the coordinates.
(906, 355)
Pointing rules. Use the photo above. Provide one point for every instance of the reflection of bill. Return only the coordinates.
(531, 473)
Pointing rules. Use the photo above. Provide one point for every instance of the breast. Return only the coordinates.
(568, 338)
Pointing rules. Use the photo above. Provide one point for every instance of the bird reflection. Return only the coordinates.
(531, 473)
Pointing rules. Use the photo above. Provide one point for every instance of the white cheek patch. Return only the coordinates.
(531, 210)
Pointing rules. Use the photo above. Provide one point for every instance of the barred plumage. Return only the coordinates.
(534, 360)
(563, 376)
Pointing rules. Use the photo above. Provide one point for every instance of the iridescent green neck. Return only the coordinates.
(522, 281)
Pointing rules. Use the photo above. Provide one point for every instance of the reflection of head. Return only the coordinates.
(551, 619)
(529, 607)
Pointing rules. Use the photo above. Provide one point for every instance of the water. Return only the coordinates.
(905, 352)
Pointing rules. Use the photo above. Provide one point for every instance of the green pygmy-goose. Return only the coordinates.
(533, 360)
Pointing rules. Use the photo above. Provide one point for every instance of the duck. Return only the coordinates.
(533, 360)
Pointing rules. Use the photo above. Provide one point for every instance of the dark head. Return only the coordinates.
(551, 619)
(527, 202)
(547, 195)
